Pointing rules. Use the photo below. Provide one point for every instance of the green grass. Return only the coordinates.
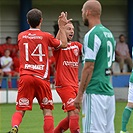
(33, 120)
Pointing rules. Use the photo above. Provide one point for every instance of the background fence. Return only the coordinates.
(120, 84)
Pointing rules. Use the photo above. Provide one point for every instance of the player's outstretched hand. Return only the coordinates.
(62, 21)
(78, 101)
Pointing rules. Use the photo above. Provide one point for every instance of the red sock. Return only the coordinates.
(16, 119)
(74, 124)
(62, 126)
(48, 124)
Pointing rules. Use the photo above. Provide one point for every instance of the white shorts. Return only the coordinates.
(98, 113)
(130, 93)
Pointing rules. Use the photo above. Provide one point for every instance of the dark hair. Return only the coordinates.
(8, 37)
(121, 35)
(34, 16)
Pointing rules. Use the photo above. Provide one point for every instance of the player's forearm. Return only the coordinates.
(85, 78)
(62, 36)
(62, 21)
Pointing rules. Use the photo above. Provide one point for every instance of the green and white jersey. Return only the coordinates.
(131, 77)
(99, 47)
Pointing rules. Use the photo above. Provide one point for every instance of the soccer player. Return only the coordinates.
(95, 89)
(34, 68)
(66, 79)
(129, 108)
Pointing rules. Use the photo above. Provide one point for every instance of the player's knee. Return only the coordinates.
(76, 112)
(47, 112)
(73, 112)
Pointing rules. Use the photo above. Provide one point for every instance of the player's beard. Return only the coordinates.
(86, 23)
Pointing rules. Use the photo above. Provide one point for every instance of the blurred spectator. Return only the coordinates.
(8, 40)
(6, 64)
(122, 54)
(16, 66)
(8, 45)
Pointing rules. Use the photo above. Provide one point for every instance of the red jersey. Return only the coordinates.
(67, 61)
(33, 45)
(51, 65)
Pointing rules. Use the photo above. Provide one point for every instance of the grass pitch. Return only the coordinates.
(33, 120)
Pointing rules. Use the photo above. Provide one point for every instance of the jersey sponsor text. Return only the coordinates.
(70, 63)
(35, 67)
(32, 36)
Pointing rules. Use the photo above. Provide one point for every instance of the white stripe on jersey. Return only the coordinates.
(46, 72)
(89, 53)
(71, 47)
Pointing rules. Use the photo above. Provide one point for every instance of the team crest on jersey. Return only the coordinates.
(76, 51)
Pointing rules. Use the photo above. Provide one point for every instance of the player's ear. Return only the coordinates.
(87, 12)
(41, 20)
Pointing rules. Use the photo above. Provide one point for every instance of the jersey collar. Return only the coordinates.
(34, 29)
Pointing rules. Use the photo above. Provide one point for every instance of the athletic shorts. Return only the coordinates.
(31, 87)
(98, 112)
(67, 95)
(130, 93)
